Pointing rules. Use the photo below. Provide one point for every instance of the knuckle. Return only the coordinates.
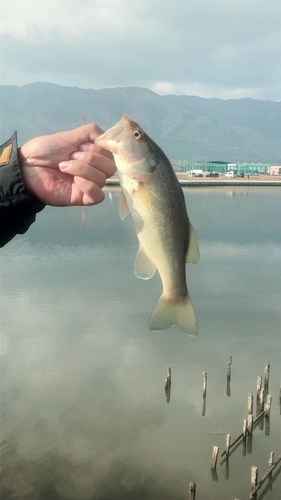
(102, 179)
(95, 131)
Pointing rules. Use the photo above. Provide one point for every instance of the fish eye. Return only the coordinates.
(137, 134)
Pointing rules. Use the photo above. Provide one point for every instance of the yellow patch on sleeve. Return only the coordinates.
(5, 155)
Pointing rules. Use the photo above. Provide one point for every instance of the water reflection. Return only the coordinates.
(83, 410)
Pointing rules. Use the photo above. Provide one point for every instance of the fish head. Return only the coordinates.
(130, 146)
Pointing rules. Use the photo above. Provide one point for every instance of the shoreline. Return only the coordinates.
(185, 180)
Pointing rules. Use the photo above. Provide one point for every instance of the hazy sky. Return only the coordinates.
(211, 48)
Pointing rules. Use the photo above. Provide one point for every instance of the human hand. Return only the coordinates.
(66, 168)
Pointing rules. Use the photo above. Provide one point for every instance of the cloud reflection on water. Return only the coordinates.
(84, 413)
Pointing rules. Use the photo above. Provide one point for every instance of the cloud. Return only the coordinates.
(207, 91)
(223, 49)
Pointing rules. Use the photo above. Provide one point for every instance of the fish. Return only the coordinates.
(152, 195)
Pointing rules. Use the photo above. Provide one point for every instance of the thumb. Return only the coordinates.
(85, 133)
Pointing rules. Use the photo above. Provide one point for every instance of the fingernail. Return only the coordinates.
(77, 155)
(87, 146)
(63, 165)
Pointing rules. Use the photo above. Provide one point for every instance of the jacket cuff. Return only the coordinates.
(17, 207)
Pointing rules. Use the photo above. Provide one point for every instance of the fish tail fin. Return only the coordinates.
(168, 313)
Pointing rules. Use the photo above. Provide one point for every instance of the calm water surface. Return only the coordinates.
(84, 412)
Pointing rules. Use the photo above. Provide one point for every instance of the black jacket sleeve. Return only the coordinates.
(17, 207)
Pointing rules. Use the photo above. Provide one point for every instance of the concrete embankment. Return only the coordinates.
(185, 180)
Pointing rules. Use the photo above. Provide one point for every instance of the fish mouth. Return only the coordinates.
(109, 140)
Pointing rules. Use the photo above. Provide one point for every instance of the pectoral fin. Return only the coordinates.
(193, 254)
(123, 208)
(143, 195)
(144, 268)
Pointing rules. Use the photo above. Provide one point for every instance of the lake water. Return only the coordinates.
(84, 412)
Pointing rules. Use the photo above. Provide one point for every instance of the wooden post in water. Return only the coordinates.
(250, 424)
(261, 401)
(258, 399)
(259, 385)
(244, 428)
(255, 489)
(250, 403)
(227, 446)
(260, 406)
(229, 363)
(204, 384)
(271, 460)
(228, 376)
(214, 457)
(192, 491)
(254, 478)
(268, 405)
(266, 378)
(168, 382)
(267, 408)
(204, 393)
(250, 420)
(262, 398)
(168, 378)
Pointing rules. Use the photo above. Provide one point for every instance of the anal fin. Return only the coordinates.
(144, 268)
(193, 254)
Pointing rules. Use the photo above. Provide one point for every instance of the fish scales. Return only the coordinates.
(154, 198)
(164, 232)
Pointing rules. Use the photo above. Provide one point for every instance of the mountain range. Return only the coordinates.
(186, 127)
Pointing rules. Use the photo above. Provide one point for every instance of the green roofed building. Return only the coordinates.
(223, 167)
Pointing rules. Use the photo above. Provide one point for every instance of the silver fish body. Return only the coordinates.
(154, 198)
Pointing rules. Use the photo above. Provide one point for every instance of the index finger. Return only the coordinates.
(85, 133)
